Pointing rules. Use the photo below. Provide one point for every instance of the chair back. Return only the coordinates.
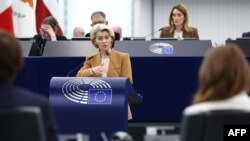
(209, 126)
(22, 124)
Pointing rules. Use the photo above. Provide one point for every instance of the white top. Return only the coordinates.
(238, 102)
(178, 35)
(105, 65)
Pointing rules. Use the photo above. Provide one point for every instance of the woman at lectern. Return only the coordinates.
(107, 62)
(178, 25)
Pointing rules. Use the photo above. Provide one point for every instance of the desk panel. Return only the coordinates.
(134, 48)
(167, 84)
(243, 43)
(26, 46)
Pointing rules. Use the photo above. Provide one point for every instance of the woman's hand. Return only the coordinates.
(48, 29)
(99, 69)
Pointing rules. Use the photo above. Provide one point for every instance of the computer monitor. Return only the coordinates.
(244, 44)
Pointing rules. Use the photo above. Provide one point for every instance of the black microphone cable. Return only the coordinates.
(152, 33)
(74, 69)
(77, 67)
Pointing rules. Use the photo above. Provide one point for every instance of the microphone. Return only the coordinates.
(104, 136)
(107, 53)
(152, 33)
(77, 67)
(42, 46)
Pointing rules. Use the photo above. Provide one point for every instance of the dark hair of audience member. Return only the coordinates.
(11, 58)
(224, 73)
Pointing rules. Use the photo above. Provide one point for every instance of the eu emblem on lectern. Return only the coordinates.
(92, 91)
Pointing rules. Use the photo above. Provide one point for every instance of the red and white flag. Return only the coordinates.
(45, 8)
(6, 21)
(24, 17)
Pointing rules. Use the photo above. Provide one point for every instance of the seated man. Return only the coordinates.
(78, 32)
(11, 61)
(100, 17)
(117, 29)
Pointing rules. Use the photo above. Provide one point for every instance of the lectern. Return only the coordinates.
(91, 105)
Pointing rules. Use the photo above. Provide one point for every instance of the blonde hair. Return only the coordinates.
(224, 72)
(182, 8)
(99, 28)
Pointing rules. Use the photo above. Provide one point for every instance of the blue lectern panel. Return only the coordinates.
(90, 105)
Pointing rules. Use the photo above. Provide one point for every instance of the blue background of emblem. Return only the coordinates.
(93, 92)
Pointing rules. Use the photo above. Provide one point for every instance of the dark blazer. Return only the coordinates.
(38, 44)
(40, 41)
(246, 34)
(11, 96)
(117, 36)
(165, 33)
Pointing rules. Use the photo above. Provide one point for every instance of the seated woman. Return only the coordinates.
(178, 25)
(107, 62)
(224, 81)
(48, 31)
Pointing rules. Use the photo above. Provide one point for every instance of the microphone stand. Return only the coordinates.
(152, 33)
(78, 66)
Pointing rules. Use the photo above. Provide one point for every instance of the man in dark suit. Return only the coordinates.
(246, 34)
(100, 17)
(11, 61)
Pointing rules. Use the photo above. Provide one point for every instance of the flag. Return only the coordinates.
(45, 8)
(6, 21)
(24, 17)
(100, 96)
